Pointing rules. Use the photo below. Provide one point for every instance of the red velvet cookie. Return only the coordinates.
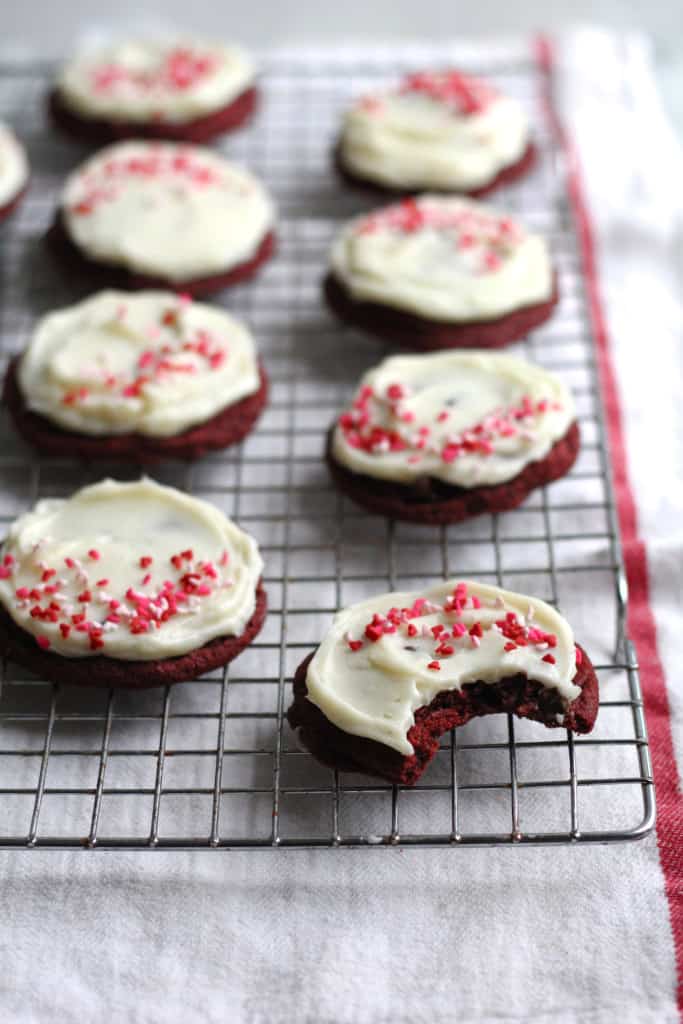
(224, 429)
(200, 130)
(187, 89)
(143, 214)
(127, 584)
(440, 272)
(395, 672)
(141, 375)
(438, 438)
(439, 131)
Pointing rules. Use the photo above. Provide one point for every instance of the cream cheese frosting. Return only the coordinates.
(152, 363)
(13, 165)
(436, 130)
(128, 570)
(470, 418)
(446, 259)
(386, 657)
(140, 80)
(165, 209)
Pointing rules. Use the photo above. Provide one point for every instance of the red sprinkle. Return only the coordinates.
(434, 665)
(94, 554)
(43, 641)
(549, 658)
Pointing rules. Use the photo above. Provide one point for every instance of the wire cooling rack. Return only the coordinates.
(213, 763)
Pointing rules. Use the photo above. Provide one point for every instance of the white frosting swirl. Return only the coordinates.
(443, 258)
(128, 570)
(471, 418)
(13, 165)
(150, 363)
(442, 131)
(165, 209)
(152, 80)
(381, 659)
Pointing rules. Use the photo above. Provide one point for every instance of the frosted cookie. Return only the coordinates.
(161, 214)
(127, 584)
(397, 671)
(438, 438)
(187, 89)
(141, 376)
(14, 171)
(437, 272)
(439, 130)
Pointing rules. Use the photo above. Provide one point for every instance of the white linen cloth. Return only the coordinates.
(550, 934)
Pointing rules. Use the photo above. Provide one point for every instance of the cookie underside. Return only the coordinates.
(227, 427)
(196, 131)
(419, 333)
(96, 274)
(513, 172)
(514, 694)
(434, 503)
(21, 647)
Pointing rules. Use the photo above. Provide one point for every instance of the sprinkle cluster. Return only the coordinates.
(102, 182)
(446, 640)
(179, 70)
(378, 423)
(77, 599)
(490, 238)
(173, 350)
(464, 94)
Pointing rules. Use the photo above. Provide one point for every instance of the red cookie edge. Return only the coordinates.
(449, 709)
(21, 647)
(8, 209)
(101, 131)
(508, 175)
(439, 504)
(415, 332)
(226, 428)
(96, 274)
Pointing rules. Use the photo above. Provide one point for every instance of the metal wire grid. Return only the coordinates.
(212, 764)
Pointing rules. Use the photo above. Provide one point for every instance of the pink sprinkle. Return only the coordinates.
(146, 578)
(5, 572)
(43, 641)
(94, 554)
